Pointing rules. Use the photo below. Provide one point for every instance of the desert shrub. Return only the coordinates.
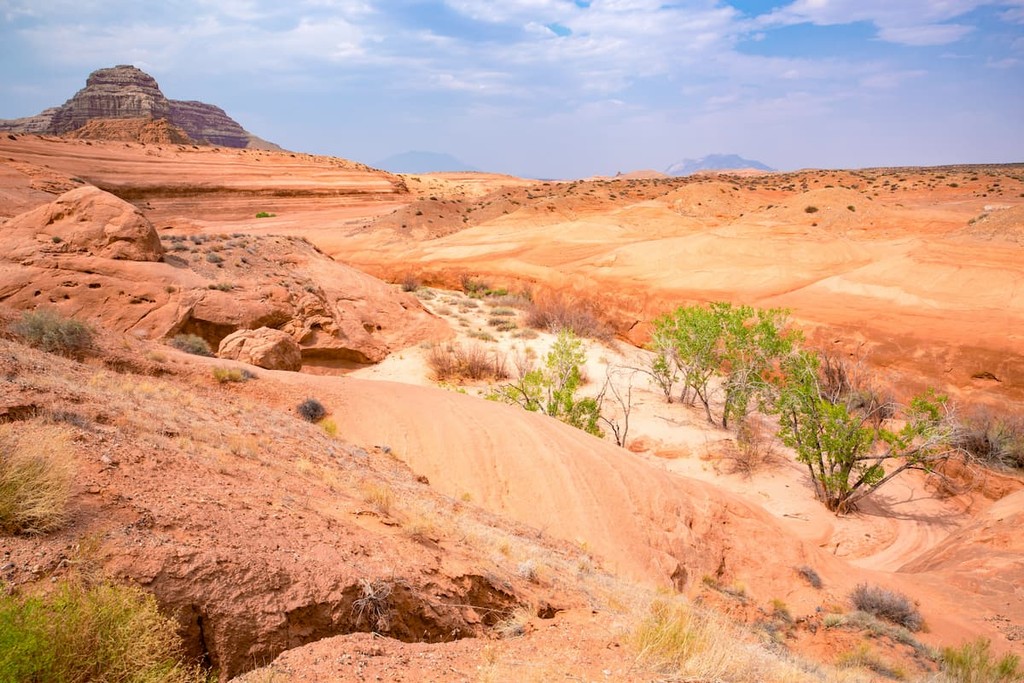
(993, 439)
(974, 662)
(754, 449)
(192, 343)
(214, 258)
(809, 575)
(36, 470)
(552, 389)
(557, 313)
(410, 283)
(104, 633)
(311, 410)
(50, 331)
(265, 214)
(225, 375)
(890, 605)
(473, 361)
(811, 209)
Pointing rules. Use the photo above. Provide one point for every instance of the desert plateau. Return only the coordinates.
(267, 408)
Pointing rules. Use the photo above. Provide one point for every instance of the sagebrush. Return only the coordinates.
(48, 330)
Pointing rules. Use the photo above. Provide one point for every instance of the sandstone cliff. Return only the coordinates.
(125, 92)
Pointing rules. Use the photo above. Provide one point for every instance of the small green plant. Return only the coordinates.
(264, 214)
(48, 330)
(212, 257)
(974, 662)
(311, 410)
(890, 605)
(329, 426)
(192, 343)
(552, 389)
(75, 634)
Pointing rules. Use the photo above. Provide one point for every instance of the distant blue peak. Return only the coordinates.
(714, 162)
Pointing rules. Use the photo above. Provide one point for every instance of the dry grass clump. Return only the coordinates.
(104, 633)
(36, 471)
(50, 331)
(472, 361)
(225, 375)
(684, 643)
(890, 605)
(865, 658)
(557, 312)
(974, 662)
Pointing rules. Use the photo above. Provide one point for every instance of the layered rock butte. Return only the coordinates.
(262, 534)
(126, 92)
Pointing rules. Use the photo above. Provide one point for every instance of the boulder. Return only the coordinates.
(266, 348)
(90, 221)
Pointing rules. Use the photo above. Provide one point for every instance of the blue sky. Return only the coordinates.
(559, 88)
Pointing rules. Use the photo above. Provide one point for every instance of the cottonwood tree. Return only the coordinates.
(848, 452)
(551, 389)
(698, 342)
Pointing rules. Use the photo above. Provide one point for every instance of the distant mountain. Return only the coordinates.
(124, 93)
(715, 162)
(423, 162)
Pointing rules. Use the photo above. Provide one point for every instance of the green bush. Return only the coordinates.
(192, 343)
(974, 663)
(108, 633)
(50, 331)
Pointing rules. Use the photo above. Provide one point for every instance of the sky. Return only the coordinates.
(559, 88)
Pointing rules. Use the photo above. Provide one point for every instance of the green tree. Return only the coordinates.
(848, 454)
(552, 388)
(741, 342)
(755, 341)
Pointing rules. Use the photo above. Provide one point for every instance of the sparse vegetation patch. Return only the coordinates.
(48, 330)
(890, 605)
(192, 343)
(36, 470)
(104, 633)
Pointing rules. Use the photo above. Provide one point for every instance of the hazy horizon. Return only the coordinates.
(560, 88)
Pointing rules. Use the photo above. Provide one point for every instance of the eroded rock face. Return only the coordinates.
(121, 92)
(266, 348)
(208, 123)
(87, 220)
(126, 92)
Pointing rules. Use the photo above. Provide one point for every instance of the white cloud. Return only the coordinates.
(907, 22)
(924, 34)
